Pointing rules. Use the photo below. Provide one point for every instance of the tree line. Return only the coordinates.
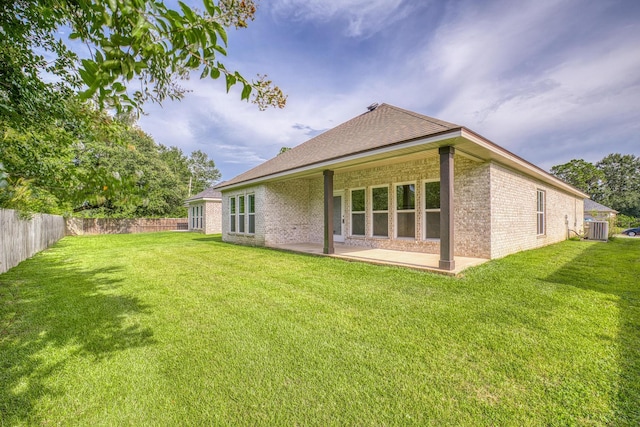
(87, 163)
(614, 181)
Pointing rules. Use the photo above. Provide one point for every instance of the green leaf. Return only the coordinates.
(188, 13)
(215, 73)
(220, 30)
(90, 91)
(220, 49)
(246, 91)
(119, 87)
(210, 7)
(111, 64)
(87, 77)
(231, 80)
(90, 66)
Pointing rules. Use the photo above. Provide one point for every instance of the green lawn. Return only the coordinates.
(182, 329)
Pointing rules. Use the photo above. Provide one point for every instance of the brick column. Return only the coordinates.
(446, 208)
(328, 212)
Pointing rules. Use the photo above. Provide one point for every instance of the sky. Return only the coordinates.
(548, 80)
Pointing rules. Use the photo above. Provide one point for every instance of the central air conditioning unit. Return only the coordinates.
(598, 230)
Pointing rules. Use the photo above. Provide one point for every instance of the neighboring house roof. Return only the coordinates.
(382, 133)
(208, 194)
(591, 206)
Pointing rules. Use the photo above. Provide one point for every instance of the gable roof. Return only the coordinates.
(381, 127)
(381, 133)
(209, 193)
(590, 205)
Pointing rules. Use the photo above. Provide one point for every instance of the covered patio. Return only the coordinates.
(414, 260)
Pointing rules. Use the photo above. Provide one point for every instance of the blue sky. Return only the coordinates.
(548, 80)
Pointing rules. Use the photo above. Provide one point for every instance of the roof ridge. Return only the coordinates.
(432, 120)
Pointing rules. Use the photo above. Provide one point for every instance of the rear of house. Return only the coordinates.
(398, 180)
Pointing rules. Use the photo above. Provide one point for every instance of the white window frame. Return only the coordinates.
(242, 213)
(425, 210)
(251, 214)
(363, 212)
(196, 217)
(233, 213)
(541, 207)
(373, 212)
(398, 211)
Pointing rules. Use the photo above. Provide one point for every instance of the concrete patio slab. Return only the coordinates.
(414, 260)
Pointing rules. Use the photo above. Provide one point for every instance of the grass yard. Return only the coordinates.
(182, 329)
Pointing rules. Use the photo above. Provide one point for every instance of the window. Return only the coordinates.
(251, 211)
(241, 214)
(196, 217)
(232, 214)
(357, 212)
(380, 211)
(406, 210)
(541, 204)
(432, 210)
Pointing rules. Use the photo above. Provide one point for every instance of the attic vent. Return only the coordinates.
(372, 106)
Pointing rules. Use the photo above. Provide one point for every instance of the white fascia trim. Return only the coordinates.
(323, 165)
(535, 170)
(204, 199)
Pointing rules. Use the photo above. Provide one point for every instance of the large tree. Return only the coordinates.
(203, 172)
(136, 51)
(93, 164)
(621, 189)
(581, 174)
(614, 181)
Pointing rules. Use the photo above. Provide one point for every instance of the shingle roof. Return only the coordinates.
(208, 193)
(386, 125)
(590, 205)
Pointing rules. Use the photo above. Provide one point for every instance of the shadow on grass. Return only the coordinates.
(51, 314)
(215, 238)
(614, 269)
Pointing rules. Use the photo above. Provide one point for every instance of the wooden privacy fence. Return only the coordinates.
(21, 238)
(80, 226)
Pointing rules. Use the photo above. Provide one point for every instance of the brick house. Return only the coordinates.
(394, 179)
(205, 211)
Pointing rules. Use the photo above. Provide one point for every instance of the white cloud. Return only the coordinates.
(364, 17)
(517, 77)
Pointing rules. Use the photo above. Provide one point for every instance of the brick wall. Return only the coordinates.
(513, 212)
(257, 239)
(471, 189)
(211, 216)
(292, 211)
(494, 208)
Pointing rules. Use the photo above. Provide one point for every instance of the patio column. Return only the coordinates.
(328, 212)
(446, 208)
